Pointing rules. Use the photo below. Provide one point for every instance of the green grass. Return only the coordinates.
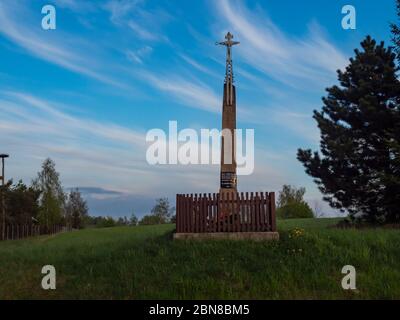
(145, 263)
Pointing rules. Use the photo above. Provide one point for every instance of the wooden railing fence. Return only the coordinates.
(16, 231)
(229, 212)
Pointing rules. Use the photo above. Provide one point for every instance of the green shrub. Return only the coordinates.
(106, 222)
(295, 210)
(152, 219)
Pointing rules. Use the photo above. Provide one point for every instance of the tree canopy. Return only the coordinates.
(52, 197)
(359, 169)
(76, 209)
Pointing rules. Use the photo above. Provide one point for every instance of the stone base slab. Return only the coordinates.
(256, 236)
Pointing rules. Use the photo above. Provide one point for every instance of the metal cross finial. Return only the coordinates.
(228, 42)
(229, 69)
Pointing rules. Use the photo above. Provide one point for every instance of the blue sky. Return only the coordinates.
(86, 93)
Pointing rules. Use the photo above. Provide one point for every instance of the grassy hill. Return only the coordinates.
(144, 262)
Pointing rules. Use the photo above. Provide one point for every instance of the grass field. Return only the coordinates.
(145, 263)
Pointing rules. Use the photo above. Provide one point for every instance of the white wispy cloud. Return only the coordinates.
(199, 66)
(141, 32)
(192, 94)
(119, 9)
(145, 24)
(138, 55)
(52, 48)
(268, 49)
(88, 151)
(54, 117)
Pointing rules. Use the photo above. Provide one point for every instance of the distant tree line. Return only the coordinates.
(44, 202)
(161, 213)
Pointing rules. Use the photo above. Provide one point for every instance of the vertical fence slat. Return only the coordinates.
(183, 212)
(246, 214)
(219, 210)
(196, 216)
(236, 209)
(264, 211)
(259, 204)
(197, 211)
(220, 213)
(201, 206)
(210, 213)
(257, 211)
(232, 212)
(242, 212)
(225, 206)
(272, 211)
(267, 212)
(252, 215)
(215, 213)
(188, 214)
(255, 208)
(204, 213)
(263, 203)
(191, 208)
(228, 211)
(177, 214)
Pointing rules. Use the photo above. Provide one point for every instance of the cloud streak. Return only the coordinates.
(52, 49)
(193, 94)
(286, 59)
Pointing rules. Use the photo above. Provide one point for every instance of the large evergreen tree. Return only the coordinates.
(359, 170)
(396, 31)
